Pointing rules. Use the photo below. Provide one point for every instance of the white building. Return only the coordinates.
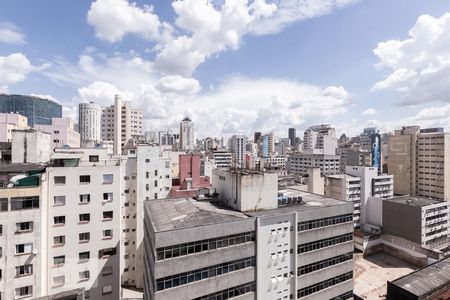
(237, 147)
(10, 122)
(275, 161)
(83, 232)
(222, 158)
(129, 121)
(320, 139)
(187, 138)
(30, 146)
(62, 131)
(89, 123)
(299, 163)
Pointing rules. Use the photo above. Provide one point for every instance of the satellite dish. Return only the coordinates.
(35, 251)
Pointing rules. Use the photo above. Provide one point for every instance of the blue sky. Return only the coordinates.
(265, 66)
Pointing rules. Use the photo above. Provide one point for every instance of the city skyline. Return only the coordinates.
(272, 67)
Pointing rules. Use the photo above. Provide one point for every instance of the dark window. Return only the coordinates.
(4, 204)
(106, 252)
(19, 203)
(107, 215)
(93, 158)
(85, 178)
(60, 179)
(85, 217)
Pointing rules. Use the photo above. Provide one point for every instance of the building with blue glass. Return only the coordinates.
(37, 110)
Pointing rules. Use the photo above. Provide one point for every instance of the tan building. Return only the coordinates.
(130, 122)
(419, 160)
(9, 122)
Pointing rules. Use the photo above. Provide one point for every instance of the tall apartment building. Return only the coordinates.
(62, 131)
(37, 110)
(320, 139)
(84, 205)
(257, 246)
(22, 233)
(237, 147)
(9, 122)
(419, 160)
(89, 123)
(187, 138)
(299, 163)
(347, 188)
(423, 221)
(147, 175)
(127, 120)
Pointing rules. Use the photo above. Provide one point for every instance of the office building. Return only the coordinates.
(121, 123)
(10, 122)
(292, 135)
(222, 158)
(37, 110)
(419, 160)
(237, 148)
(84, 206)
(257, 137)
(62, 131)
(320, 139)
(30, 146)
(187, 138)
(355, 157)
(89, 123)
(423, 221)
(299, 163)
(293, 246)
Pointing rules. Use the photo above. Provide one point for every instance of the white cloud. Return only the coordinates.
(370, 112)
(419, 65)
(14, 68)
(112, 19)
(178, 84)
(11, 34)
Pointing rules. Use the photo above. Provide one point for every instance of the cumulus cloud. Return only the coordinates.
(370, 112)
(178, 84)
(419, 66)
(15, 68)
(11, 34)
(112, 19)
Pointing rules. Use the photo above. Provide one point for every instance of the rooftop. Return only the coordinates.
(414, 201)
(21, 168)
(426, 280)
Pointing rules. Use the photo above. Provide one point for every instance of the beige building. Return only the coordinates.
(62, 131)
(419, 161)
(9, 122)
(130, 122)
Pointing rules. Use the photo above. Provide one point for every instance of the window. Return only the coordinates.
(59, 200)
(84, 237)
(147, 175)
(59, 179)
(59, 260)
(85, 178)
(84, 256)
(107, 178)
(156, 172)
(155, 196)
(85, 275)
(59, 280)
(93, 158)
(20, 203)
(147, 187)
(107, 215)
(4, 204)
(106, 252)
(1, 252)
(85, 198)
(107, 234)
(24, 270)
(1, 230)
(108, 197)
(24, 248)
(59, 240)
(85, 217)
(24, 291)
(107, 271)
(107, 289)
(156, 183)
(147, 160)
(24, 227)
(59, 220)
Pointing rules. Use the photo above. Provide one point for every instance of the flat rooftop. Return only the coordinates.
(426, 280)
(414, 201)
(21, 168)
(172, 214)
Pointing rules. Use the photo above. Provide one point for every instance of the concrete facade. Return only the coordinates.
(9, 122)
(237, 147)
(320, 139)
(30, 146)
(187, 137)
(299, 163)
(89, 123)
(62, 131)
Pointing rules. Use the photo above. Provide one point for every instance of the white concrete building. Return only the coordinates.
(222, 158)
(237, 147)
(89, 123)
(274, 161)
(128, 119)
(84, 202)
(187, 137)
(62, 131)
(10, 122)
(30, 146)
(320, 139)
(299, 163)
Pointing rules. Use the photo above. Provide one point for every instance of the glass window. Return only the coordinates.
(85, 178)
(107, 215)
(59, 240)
(59, 200)
(107, 234)
(84, 236)
(24, 248)
(59, 179)
(59, 260)
(84, 255)
(85, 198)
(108, 197)
(108, 178)
(84, 275)
(59, 220)
(59, 280)
(24, 291)
(93, 158)
(24, 227)
(21, 203)
(4, 204)
(107, 289)
(85, 217)
(24, 270)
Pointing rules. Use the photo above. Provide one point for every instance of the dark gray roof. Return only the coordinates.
(21, 168)
(415, 201)
(427, 279)
(171, 214)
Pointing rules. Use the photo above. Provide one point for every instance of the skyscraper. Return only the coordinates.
(257, 136)
(292, 135)
(237, 147)
(89, 126)
(187, 134)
